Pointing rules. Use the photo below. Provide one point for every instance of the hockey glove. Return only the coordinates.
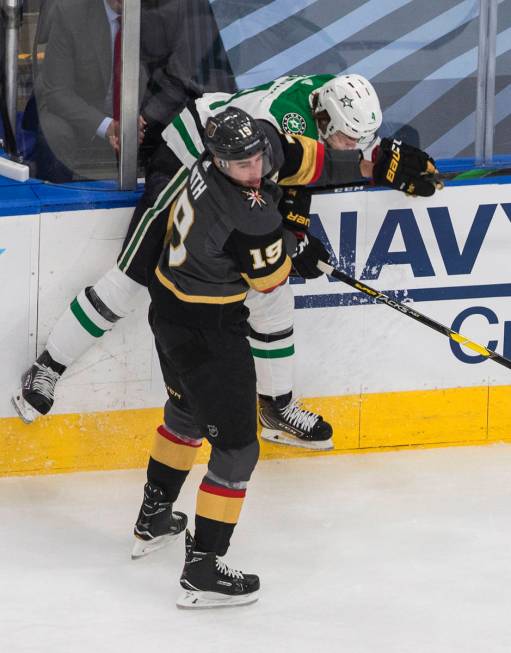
(295, 208)
(405, 168)
(309, 250)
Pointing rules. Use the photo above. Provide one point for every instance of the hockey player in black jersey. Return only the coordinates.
(225, 236)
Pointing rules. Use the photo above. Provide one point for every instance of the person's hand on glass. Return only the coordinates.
(112, 132)
(142, 126)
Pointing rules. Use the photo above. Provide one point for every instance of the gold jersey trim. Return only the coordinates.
(308, 168)
(271, 280)
(197, 299)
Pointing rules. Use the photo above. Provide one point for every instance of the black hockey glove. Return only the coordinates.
(295, 207)
(405, 168)
(309, 250)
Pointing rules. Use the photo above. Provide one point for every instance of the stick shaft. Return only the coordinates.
(441, 177)
(404, 309)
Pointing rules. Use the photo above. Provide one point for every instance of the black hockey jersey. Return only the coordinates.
(222, 239)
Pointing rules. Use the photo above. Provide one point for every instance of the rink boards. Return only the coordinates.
(382, 379)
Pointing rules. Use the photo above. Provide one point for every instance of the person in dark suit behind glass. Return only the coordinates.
(182, 57)
(76, 87)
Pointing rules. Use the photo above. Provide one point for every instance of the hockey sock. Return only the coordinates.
(92, 313)
(217, 513)
(273, 357)
(172, 457)
(77, 329)
(281, 400)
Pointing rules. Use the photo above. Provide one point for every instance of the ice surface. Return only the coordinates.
(382, 553)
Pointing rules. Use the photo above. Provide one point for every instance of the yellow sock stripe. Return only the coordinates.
(171, 451)
(224, 507)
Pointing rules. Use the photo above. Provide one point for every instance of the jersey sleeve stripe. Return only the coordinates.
(263, 284)
(178, 145)
(308, 169)
(183, 138)
(187, 139)
(320, 158)
(198, 299)
(191, 122)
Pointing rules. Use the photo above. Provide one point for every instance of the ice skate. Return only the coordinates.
(284, 421)
(36, 395)
(156, 525)
(209, 583)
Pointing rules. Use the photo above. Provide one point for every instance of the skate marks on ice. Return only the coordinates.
(389, 552)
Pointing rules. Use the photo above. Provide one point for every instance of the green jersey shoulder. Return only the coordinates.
(292, 108)
(285, 103)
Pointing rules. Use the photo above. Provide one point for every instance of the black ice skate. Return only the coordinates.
(37, 392)
(210, 583)
(156, 525)
(284, 421)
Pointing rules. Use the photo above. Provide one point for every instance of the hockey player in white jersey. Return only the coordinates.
(343, 112)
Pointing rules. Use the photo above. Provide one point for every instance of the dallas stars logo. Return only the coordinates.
(253, 196)
(293, 123)
(347, 102)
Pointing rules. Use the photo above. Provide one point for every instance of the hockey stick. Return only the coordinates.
(410, 312)
(439, 178)
(474, 173)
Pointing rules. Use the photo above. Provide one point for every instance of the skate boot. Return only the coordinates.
(210, 583)
(284, 421)
(156, 525)
(37, 392)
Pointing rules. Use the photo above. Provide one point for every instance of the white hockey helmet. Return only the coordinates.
(352, 106)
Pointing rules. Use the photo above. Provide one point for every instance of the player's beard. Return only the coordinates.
(254, 182)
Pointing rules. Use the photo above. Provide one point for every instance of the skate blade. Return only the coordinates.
(281, 437)
(202, 600)
(142, 548)
(25, 411)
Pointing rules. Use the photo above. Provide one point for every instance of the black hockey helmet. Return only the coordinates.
(233, 135)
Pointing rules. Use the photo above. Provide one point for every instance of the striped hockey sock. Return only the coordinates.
(273, 357)
(217, 513)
